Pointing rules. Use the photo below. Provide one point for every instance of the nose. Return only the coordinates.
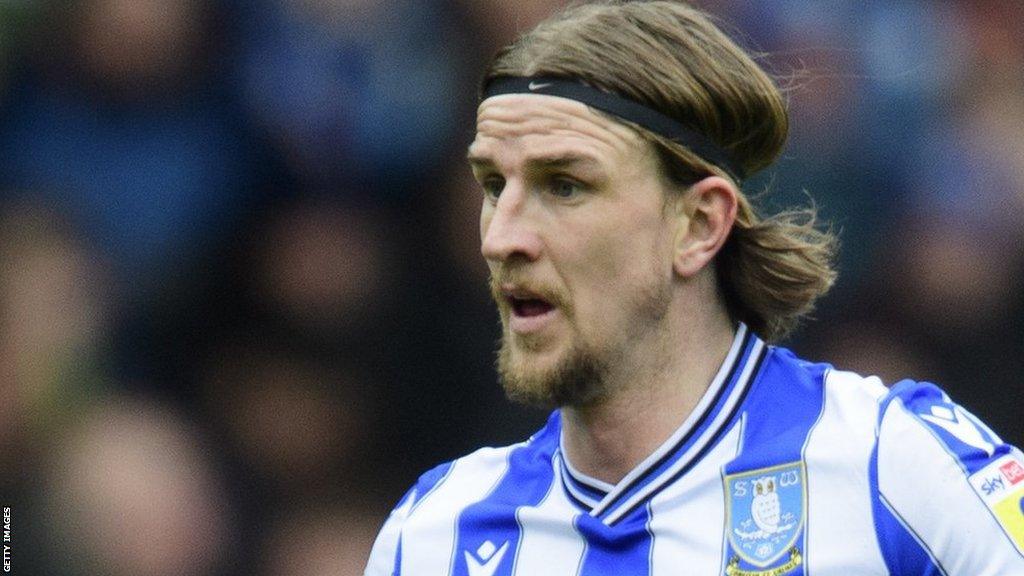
(507, 229)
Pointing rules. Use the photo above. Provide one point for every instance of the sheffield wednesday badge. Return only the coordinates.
(765, 511)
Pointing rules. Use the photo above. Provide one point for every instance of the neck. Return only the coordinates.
(657, 387)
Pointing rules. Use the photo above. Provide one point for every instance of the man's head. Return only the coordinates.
(599, 232)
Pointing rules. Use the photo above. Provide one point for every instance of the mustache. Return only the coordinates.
(548, 294)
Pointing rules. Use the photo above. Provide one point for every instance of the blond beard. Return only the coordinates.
(581, 377)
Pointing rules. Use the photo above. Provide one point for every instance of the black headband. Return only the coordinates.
(624, 108)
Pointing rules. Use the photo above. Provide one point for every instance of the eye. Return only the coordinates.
(565, 187)
(493, 186)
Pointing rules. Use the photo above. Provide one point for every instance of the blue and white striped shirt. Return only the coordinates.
(785, 467)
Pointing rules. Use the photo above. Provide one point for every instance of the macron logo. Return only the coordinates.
(538, 86)
(959, 424)
(490, 558)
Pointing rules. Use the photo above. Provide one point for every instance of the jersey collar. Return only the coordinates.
(683, 449)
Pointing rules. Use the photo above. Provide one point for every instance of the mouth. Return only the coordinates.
(529, 307)
(530, 311)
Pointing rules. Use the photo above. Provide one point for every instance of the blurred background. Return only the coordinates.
(242, 305)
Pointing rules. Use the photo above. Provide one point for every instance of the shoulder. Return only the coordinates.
(942, 474)
(842, 396)
(431, 488)
(438, 497)
(478, 464)
(445, 490)
(802, 376)
(486, 464)
(934, 472)
(908, 417)
(451, 485)
(921, 416)
(925, 436)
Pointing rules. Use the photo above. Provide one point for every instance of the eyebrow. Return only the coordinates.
(555, 161)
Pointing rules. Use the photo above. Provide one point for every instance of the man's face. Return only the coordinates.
(578, 239)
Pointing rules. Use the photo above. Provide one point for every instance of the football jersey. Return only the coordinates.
(785, 467)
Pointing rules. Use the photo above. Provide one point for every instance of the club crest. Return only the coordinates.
(765, 511)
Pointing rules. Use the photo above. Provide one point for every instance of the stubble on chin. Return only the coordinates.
(577, 379)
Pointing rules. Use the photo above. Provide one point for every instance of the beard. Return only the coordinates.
(582, 376)
(578, 379)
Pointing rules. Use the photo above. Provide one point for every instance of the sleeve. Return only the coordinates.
(385, 556)
(950, 492)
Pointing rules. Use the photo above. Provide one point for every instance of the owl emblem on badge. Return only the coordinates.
(765, 509)
(764, 518)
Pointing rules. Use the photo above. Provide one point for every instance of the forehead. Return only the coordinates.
(515, 126)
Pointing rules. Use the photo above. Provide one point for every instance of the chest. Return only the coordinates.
(763, 522)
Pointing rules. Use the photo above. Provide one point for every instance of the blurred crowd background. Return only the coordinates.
(242, 305)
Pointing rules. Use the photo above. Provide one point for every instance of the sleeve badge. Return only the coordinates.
(1000, 485)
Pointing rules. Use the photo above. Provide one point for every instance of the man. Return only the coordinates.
(635, 284)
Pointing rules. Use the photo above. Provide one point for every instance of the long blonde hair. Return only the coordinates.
(671, 57)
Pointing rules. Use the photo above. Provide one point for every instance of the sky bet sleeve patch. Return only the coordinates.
(1001, 486)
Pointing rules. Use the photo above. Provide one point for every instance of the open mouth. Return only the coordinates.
(529, 307)
(530, 311)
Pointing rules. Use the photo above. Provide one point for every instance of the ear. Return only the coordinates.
(708, 214)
